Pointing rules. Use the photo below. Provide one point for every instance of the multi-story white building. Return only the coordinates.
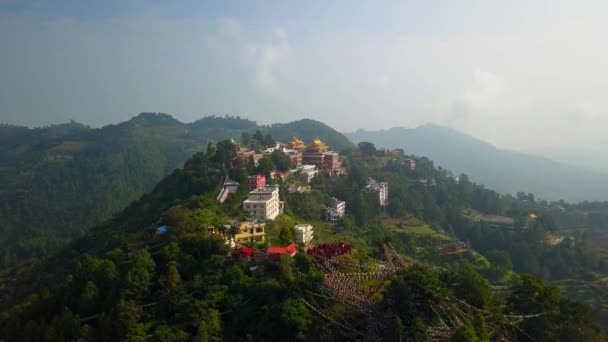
(379, 188)
(306, 172)
(263, 204)
(303, 233)
(335, 212)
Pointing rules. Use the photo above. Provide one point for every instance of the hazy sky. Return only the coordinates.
(520, 74)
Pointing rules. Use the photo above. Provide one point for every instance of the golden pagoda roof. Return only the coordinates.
(297, 144)
(317, 144)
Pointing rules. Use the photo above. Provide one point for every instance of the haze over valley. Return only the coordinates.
(298, 171)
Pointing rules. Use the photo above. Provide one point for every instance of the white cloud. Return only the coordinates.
(269, 56)
(544, 83)
(486, 88)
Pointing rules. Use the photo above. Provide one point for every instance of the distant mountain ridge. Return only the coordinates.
(60, 180)
(591, 158)
(503, 170)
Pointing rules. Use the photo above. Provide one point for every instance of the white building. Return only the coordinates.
(263, 204)
(335, 212)
(303, 233)
(379, 188)
(307, 172)
(231, 186)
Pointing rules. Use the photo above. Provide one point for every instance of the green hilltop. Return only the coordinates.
(437, 262)
(61, 180)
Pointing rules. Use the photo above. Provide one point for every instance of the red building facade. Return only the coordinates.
(256, 182)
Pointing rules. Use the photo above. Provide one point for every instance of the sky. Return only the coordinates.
(526, 75)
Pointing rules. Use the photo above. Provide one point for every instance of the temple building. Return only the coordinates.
(297, 144)
(319, 155)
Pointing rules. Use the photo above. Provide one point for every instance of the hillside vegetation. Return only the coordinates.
(123, 281)
(502, 170)
(59, 181)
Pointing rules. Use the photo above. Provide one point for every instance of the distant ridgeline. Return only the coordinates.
(60, 180)
(502, 170)
(407, 252)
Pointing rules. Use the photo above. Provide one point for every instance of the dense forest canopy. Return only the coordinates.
(124, 281)
(59, 181)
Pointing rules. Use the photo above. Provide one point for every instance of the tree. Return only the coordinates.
(266, 167)
(172, 278)
(481, 329)
(64, 327)
(472, 287)
(465, 333)
(210, 328)
(208, 214)
(347, 222)
(367, 148)
(416, 285)
(210, 149)
(226, 151)
(281, 161)
(296, 318)
(167, 333)
(358, 174)
(88, 298)
(268, 141)
(128, 315)
(501, 263)
(139, 277)
(251, 168)
(258, 136)
(137, 334)
(245, 138)
(286, 235)
(180, 220)
(420, 332)
(530, 296)
(360, 209)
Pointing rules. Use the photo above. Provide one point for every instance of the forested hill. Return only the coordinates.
(308, 129)
(125, 281)
(503, 170)
(60, 180)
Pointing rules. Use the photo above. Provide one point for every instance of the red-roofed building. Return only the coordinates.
(256, 182)
(244, 253)
(275, 252)
(245, 250)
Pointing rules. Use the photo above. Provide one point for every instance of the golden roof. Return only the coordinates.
(317, 144)
(297, 144)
